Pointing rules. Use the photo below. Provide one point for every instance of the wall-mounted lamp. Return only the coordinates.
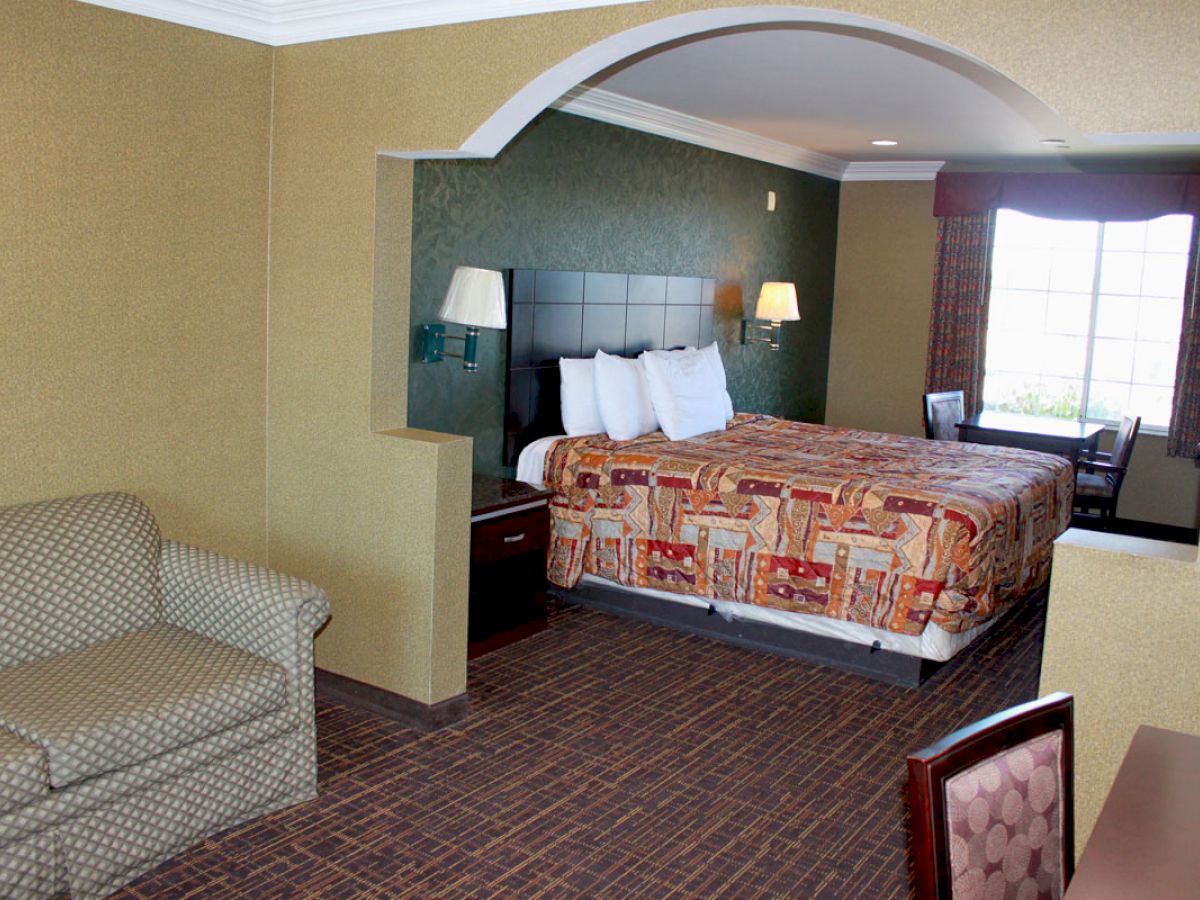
(777, 304)
(475, 298)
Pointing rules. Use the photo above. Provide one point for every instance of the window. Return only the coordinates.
(1085, 317)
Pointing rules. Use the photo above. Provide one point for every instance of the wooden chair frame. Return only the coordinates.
(931, 400)
(1106, 464)
(929, 768)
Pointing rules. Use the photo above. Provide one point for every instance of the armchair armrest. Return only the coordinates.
(250, 607)
(1095, 465)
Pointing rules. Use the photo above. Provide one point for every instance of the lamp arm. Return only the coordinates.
(773, 329)
(433, 345)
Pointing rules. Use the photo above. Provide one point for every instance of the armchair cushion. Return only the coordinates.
(75, 572)
(1092, 484)
(22, 773)
(129, 699)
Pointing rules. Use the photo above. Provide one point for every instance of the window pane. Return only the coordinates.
(1107, 400)
(1068, 313)
(1154, 363)
(1018, 309)
(1016, 229)
(1004, 392)
(1059, 398)
(1072, 270)
(1160, 320)
(1030, 269)
(1112, 360)
(1002, 268)
(1153, 404)
(1008, 351)
(1164, 274)
(1116, 316)
(1121, 273)
(1061, 354)
(1125, 236)
(1062, 234)
(1169, 234)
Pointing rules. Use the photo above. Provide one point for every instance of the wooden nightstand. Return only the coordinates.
(510, 529)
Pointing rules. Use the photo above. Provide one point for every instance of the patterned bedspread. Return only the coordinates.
(887, 531)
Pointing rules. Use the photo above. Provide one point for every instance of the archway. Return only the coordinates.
(506, 122)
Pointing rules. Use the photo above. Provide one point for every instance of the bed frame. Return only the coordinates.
(861, 659)
(573, 314)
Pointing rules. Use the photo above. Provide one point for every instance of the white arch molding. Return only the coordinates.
(507, 122)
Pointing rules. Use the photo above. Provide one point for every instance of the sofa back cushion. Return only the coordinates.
(75, 572)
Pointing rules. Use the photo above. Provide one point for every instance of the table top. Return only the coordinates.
(1146, 842)
(491, 494)
(1017, 423)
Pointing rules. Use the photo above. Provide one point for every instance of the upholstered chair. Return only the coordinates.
(943, 411)
(151, 694)
(992, 806)
(1099, 477)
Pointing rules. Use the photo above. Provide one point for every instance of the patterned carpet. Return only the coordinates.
(608, 758)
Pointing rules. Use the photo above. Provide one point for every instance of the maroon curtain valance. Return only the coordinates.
(1110, 198)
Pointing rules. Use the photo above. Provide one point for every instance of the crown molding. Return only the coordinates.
(281, 22)
(1147, 139)
(605, 106)
(893, 171)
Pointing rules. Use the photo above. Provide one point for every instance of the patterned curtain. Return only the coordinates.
(962, 282)
(1183, 438)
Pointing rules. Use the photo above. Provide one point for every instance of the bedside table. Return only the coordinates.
(510, 529)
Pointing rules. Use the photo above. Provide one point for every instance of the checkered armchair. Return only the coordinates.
(151, 693)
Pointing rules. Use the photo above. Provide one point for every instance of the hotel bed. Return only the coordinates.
(877, 553)
(887, 544)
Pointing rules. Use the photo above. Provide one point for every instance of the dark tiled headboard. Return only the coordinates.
(574, 314)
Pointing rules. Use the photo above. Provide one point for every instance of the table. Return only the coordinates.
(1031, 433)
(1146, 842)
(510, 529)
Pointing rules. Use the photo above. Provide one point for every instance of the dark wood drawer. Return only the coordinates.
(507, 536)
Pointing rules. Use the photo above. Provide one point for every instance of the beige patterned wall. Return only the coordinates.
(881, 302)
(133, 273)
(1121, 635)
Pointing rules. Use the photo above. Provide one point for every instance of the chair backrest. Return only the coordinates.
(994, 802)
(75, 572)
(943, 411)
(1122, 449)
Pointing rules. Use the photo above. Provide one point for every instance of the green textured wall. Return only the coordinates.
(570, 193)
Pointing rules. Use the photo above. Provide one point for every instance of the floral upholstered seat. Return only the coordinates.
(991, 806)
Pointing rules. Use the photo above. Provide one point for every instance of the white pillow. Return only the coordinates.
(717, 353)
(687, 390)
(623, 398)
(577, 394)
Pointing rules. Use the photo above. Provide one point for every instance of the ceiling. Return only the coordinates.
(808, 96)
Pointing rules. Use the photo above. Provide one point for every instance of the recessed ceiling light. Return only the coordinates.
(884, 142)
(1054, 142)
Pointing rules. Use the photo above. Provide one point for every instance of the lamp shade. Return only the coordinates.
(777, 302)
(475, 297)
